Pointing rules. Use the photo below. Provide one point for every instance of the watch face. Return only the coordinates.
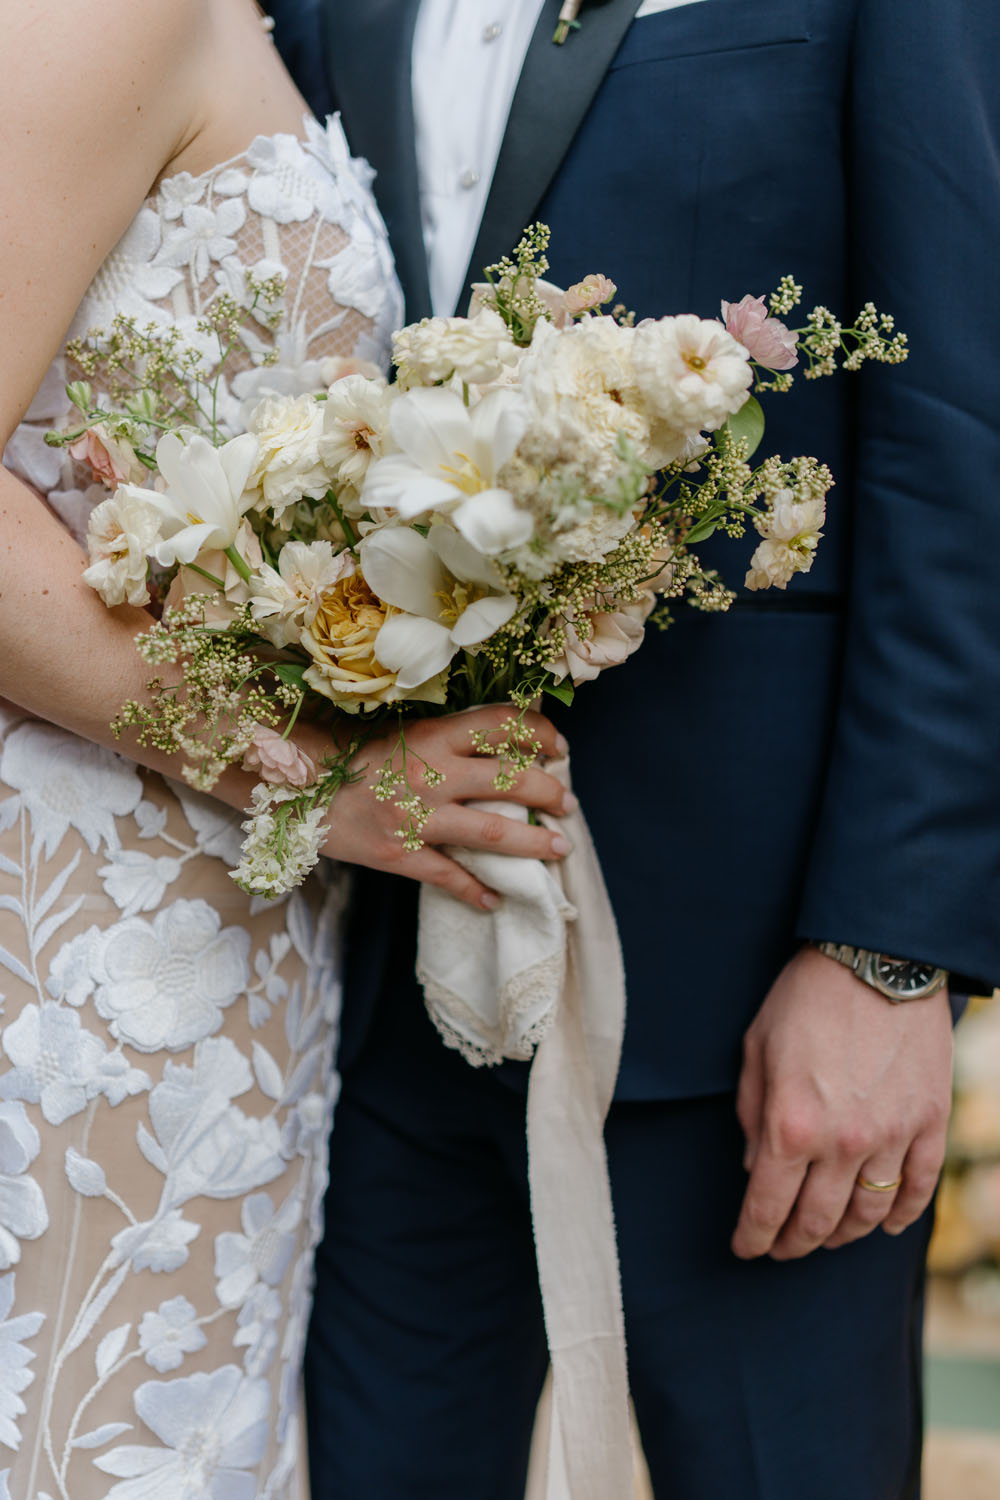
(903, 978)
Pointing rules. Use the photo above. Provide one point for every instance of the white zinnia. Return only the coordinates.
(123, 531)
(282, 600)
(448, 462)
(204, 502)
(791, 530)
(288, 464)
(692, 374)
(451, 597)
(472, 350)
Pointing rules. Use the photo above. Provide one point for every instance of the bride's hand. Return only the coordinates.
(363, 830)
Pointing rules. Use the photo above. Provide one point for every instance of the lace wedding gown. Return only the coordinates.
(166, 1077)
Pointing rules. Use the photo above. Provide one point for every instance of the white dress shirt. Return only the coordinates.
(467, 59)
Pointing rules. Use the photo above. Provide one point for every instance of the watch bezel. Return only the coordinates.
(870, 973)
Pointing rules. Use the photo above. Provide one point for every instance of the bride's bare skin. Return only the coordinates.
(98, 104)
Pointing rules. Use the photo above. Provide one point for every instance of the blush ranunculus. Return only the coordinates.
(765, 339)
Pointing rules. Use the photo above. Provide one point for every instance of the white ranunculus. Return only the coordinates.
(123, 532)
(204, 501)
(472, 350)
(450, 597)
(791, 530)
(355, 432)
(448, 462)
(284, 600)
(288, 465)
(692, 374)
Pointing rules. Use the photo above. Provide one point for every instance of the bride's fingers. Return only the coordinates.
(431, 867)
(532, 788)
(466, 828)
(462, 728)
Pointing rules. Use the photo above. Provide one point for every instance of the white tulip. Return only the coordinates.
(449, 459)
(203, 503)
(449, 596)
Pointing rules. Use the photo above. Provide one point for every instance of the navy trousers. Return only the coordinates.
(752, 1381)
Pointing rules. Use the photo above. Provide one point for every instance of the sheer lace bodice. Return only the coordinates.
(300, 208)
(166, 1043)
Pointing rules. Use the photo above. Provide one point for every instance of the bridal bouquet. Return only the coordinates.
(501, 522)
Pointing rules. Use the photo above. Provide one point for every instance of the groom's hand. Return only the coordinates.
(838, 1082)
(364, 831)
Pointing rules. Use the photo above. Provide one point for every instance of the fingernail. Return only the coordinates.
(490, 901)
(560, 845)
(562, 744)
(893, 1229)
(570, 803)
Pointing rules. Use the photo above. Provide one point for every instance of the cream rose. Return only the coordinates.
(614, 635)
(472, 350)
(341, 642)
(122, 531)
(288, 465)
(355, 431)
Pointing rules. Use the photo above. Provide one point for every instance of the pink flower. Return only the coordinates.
(614, 635)
(277, 761)
(592, 291)
(765, 339)
(111, 460)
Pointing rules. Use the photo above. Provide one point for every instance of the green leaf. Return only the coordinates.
(701, 531)
(290, 673)
(747, 425)
(564, 691)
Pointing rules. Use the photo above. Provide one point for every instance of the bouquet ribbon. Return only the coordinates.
(543, 978)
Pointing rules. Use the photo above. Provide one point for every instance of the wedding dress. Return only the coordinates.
(166, 1073)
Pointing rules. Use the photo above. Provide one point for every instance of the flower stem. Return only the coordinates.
(241, 566)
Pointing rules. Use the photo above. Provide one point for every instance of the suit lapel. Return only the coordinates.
(555, 90)
(369, 50)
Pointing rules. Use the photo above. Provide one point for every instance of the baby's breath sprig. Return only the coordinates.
(513, 284)
(393, 784)
(517, 749)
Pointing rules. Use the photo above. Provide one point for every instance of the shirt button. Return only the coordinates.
(469, 178)
(492, 31)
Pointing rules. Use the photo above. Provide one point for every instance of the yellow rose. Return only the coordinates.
(341, 642)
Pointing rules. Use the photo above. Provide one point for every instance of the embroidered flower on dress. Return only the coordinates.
(165, 1336)
(263, 1252)
(166, 984)
(214, 1428)
(15, 1376)
(23, 1215)
(66, 782)
(60, 1066)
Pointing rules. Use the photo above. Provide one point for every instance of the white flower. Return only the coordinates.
(23, 1215)
(285, 185)
(582, 388)
(214, 1429)
(472, 350)
(288, 465)
(451, 595)
(276, 859)
(165, 1336)
(131, 281)
(257, 1328)
(283, 600)
(202, 1142)
(178, 192)
(791, 530)
(15, 1376)
(263, 1252)
(159, 1244)
(448, 462)
(58, 1065)
(692, 374)
(355, 430)
(123, 531)
(66, 782)
(204, 501)
(167, 984)
(136, 881)
(71, 972)
(204, 234)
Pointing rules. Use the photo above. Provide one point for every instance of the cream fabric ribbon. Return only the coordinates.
(543, 977)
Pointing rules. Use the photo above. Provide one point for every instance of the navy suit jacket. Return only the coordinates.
(823, 762)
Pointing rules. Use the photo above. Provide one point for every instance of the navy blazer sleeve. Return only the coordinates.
(906, 856)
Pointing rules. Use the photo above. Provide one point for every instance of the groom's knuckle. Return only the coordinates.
(793, 1132)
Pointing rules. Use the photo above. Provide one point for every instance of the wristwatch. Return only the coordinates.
(897, 979)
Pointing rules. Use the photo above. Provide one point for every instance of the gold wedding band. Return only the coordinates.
(877, 1187)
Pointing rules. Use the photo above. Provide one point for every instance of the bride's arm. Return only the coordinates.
(93, 106)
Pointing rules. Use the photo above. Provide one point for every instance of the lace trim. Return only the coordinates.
(482, 1045)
